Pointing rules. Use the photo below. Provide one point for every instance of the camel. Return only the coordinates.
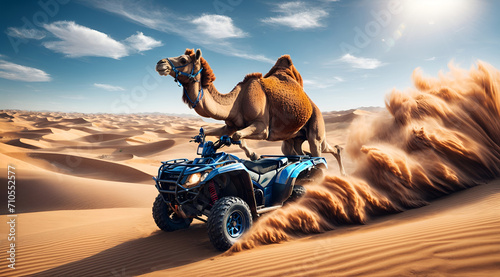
(274, 107)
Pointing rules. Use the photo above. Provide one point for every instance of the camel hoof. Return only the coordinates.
(236, 136)
(254, 157)
(339, 149)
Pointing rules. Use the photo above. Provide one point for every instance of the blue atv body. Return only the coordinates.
(230, 192)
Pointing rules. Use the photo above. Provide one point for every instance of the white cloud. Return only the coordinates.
(260, 58)
(140, 42)
(108, 87)
(80, 41)
(297, 15)
(25, 33)
(431, 59)
(18, 72)
(141, 12)
(217, 26)
(363, 63)
(163, 20)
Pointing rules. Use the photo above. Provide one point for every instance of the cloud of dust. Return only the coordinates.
(440, 137)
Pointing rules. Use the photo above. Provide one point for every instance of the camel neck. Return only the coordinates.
(213, 104)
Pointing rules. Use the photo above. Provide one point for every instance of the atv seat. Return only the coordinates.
(264, 165)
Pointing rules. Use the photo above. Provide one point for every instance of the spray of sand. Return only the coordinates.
(440, 137)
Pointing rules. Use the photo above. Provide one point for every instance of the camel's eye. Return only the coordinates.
(183, 60)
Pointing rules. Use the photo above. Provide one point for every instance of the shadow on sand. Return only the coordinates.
(159, 251)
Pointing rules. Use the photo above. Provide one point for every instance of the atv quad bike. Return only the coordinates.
(230, 192)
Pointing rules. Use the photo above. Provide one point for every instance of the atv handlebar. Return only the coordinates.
(221, 142)
(227, 141)
(200, 138)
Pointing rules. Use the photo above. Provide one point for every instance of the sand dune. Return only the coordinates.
(84, 193)
(41, 190)
(102, 137)
(22, 144)
(148, 148)
(85, 167)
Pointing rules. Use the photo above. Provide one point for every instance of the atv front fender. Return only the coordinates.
(240, 183)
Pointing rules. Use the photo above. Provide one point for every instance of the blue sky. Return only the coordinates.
(99, 56)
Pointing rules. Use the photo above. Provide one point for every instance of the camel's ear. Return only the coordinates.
(198, 54)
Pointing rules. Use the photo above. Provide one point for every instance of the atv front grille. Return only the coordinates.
(173, 174)
(168, 181)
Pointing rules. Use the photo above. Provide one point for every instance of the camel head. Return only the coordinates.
(189, 63)
(191, 70)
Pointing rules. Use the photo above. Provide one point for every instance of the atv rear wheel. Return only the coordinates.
(166, 219)
(297, 192)
(229, 218)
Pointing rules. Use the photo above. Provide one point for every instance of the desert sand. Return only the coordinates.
(421, 198)
(84, 193)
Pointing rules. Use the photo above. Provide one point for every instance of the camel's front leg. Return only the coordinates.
(222, 131)
(248, 152)
(256, 130)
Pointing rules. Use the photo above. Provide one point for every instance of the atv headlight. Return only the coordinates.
(204, 176)
(195, 179)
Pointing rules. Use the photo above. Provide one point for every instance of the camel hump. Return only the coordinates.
(285, 64)
(284, 61)
(249, 76)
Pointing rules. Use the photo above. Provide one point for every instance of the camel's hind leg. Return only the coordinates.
(337, 153)
(293, 146)
(316, 136)
(287, 147)
(318, 147)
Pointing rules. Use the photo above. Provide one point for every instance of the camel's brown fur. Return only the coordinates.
(273, 107)
(283, 87)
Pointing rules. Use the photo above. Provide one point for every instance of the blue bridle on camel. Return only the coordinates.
(191, 77)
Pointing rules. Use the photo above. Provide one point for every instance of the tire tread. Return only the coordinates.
(216, 222)
(162, 217)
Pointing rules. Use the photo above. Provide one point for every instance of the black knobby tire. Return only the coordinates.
(297, 192)
(229, 218)
(166, 219)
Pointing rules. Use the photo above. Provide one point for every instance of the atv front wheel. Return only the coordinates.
(166, 219)
(229, 218)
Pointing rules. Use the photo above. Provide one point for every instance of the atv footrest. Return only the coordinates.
(269, 209)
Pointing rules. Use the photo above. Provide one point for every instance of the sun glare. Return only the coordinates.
(436, 11)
